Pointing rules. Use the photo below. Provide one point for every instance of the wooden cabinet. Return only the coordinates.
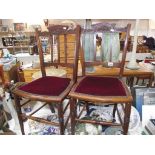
(28, 73)
(70, 47)
(11, 74)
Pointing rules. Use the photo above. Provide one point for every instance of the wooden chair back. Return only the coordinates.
(64, 45)
(100, 30)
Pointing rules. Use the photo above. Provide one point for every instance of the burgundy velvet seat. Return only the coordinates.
(101, 86)
(52, 86)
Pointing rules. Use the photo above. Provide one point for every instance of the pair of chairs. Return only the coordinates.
(66, 51)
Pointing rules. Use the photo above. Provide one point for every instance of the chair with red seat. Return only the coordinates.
(64, 48)
(101, 90)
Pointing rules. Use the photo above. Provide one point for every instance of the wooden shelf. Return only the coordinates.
(7, 33)
(19, 43)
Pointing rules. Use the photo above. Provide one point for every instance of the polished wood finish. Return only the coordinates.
(126, 101)
(57, 35)
(128, 73)
(14, 73)
(99, 70)
(2, 74)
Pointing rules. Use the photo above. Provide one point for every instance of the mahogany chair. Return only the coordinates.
(64, 45)
(2, 75)
(102, 90)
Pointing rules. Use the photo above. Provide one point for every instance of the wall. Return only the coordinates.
(29, 22)
(143, 27)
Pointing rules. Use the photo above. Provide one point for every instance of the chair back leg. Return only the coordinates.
(127, 112)
(61, 118)
(73, 110)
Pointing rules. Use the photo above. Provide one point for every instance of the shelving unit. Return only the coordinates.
(16, 42)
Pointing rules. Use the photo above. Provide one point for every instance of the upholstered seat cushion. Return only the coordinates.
(101, 86)
(48, 85)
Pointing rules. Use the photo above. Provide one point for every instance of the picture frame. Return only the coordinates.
(4, 28)
(19, 26)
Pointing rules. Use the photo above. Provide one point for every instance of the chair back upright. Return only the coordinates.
(63, 46)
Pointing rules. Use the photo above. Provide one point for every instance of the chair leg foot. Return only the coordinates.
(19, 113)
(114, 112)
(87, 108)
(51, 105)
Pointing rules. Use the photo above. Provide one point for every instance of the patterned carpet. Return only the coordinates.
(96, 112)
